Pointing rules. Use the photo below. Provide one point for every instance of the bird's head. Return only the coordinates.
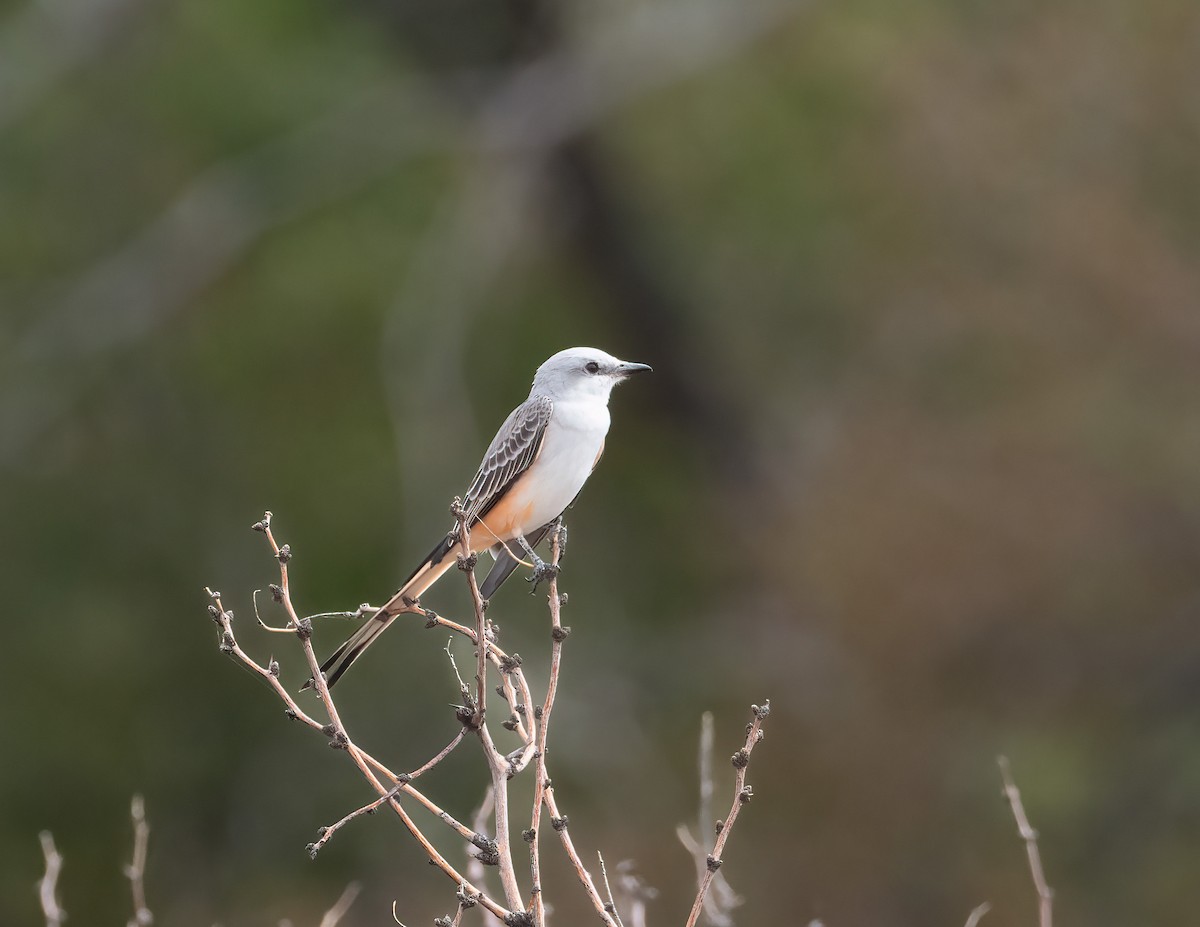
(581, 373)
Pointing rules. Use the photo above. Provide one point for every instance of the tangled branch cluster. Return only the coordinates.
(514, 905)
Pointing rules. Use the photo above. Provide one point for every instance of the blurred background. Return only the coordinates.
(918, 461)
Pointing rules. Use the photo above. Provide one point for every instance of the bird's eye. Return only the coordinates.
(592, 367)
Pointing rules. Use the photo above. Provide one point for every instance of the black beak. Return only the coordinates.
(627, 369)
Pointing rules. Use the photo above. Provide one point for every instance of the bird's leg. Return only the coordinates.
(541, 569)
(560, 525)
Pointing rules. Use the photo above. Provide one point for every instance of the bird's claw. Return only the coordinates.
(541, 571)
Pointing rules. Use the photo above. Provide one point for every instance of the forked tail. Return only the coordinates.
(440, 559)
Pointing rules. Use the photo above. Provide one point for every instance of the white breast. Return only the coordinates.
(573, 440)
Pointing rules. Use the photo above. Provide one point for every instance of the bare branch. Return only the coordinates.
(1029, 835)
(498, 764)
(48, 887)
(611, 905)
(335, 730)
(544, 787)
(136, 870)
(533, 729)
(742, 794)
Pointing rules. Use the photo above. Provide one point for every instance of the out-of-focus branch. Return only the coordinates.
(136, 870)
(341, 906)
(47, 42)
(634, 893)
(742, 794)
(48, 886)
(225, 210)
(570, 89)
(976, 914)
(722, 899)
(210, 226)
(1029, 835)
(475, 867)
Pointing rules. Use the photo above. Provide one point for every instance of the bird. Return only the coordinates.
(531, 472)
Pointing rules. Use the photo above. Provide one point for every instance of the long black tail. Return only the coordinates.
(424, 576)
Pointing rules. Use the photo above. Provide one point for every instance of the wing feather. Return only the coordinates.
(515, 447)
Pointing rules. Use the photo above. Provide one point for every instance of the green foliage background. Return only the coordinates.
(939, 260)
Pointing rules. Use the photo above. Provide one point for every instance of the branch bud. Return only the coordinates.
(489, 856)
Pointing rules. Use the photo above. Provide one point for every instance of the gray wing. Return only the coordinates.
(515, 447)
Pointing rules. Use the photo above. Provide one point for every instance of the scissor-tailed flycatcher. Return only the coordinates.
(534, 467)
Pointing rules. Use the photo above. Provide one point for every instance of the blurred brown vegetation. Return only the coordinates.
(918, 461)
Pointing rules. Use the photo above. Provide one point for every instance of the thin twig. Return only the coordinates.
(48, 887)
(498, 764)
(976, 914)
(136, 870)
(544, 787)
(325, 834)
(341, 906)
(336, 730)
(721, 898)
(611, 906)
(742, 794)
(1029, 835)
(441, 755)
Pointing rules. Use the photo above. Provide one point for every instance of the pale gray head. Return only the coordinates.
(582, 373)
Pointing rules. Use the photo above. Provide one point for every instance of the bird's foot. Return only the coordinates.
(541, 571)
